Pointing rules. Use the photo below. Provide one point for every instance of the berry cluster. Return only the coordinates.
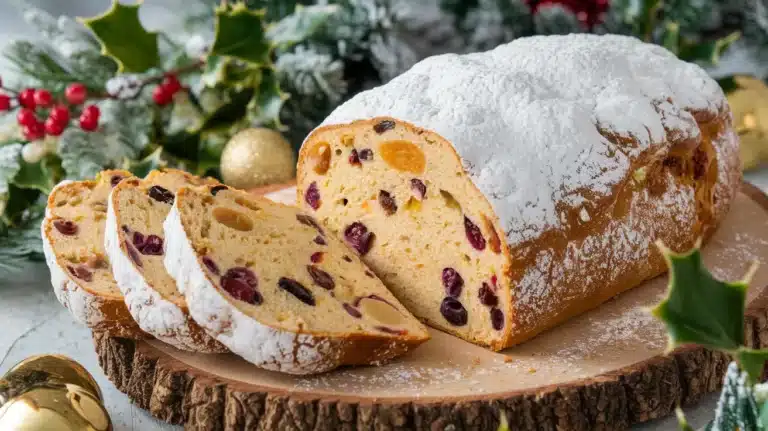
(163, 93)
(34, 104)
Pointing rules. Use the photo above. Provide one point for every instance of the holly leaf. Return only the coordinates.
(264, 108)
(240, 34)
(124, 39)
(37, 176)
(752, 361)
(141, 168)
(301, 25)
(10, 165)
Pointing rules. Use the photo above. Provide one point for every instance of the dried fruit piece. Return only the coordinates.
(217, 189)
(348, 140)
(81, 272)
(244, 274)
(419, 188)
(357, 236)
(161, 194)
(248, 204)
(319, 240)
(370, 274)
(133, 254)
(453, 311)
(403, 156)
(115, 180)
(392, 331)
(152, 246)
(346, 258)
(450, 201)
(320, 156)
(309, 221)
(366, 154)
(383, 126)
(497, 319)
(493, 241)
(494, 281)
(316, 257)
(320, 277)
(452, 282)
(232, 219)
(66, 227)
(211, 265)
(387, 202)
(352, 311)
(138, 240)
(312, 196)
(474, 235)
(296, 289)
(354, 158)
(486, 296)
(242, 284)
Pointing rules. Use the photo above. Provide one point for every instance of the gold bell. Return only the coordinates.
(51, 392)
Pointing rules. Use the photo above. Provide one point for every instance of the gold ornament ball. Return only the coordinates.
(257, 157)
(749, 105)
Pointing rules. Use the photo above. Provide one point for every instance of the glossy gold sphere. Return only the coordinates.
(257, 157)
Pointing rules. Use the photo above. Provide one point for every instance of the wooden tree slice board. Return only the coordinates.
(605, 369)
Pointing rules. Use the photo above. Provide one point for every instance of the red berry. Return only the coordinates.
(91, 111)
(34, 131)
(60, 114)
(161, 95)
(76, 93)
(53, 127)
(89, 123)
(43, 98)
(5, 102)
(171, 84)
(27, 98)
(26, 117)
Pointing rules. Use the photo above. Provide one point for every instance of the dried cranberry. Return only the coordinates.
(486, 295)
(81, 273)
(152, 246)
(384, 126)
(392, 331)
(211, 265)
(370, 274)
(419, 187)
(387, 202)
(161, 194)
(138, 240)
(497, 319)
(241, 290)
(133, 254)
(453, 311)
(309, 221)
(366, 154)
(312, 196)
(474, 235)
(115, 180)
(354, 159)
(319, 240)
(358, 237)
(316, 257)
(346, 258)
(320, 277)
(296, 289)
(494, 281)
(453, 282)
(243, 274)
(66, 227)
(217, 189)
(354, 312)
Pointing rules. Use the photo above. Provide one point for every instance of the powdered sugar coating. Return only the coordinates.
(259, 344)
(531, 135)
(155, 315)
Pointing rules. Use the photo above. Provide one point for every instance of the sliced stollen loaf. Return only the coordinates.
(498, 194)
(73, 242)
(267, 281)
(133, 240)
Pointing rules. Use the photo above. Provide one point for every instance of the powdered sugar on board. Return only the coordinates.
(532, 135)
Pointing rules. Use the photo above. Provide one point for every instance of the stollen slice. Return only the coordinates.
(134, 243)
(278, 289)
(73, 243)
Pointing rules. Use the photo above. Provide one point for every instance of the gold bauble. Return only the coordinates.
(51, 392)
(257, 157)
(749, 104)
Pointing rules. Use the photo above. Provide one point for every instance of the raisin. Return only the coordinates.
(321, 278)
(387, 202)
(133, 254)
(211, 265)
(366, 154)
(161, 194)
(125, 229)
(243, 274)
(352, 311)
(138, 240)
(419, 188)
(81, 273)
(312, 196)
(474, 235)
(370, 274)
(453, 311)
(346, 258)
(241, 291)
(486, 296)
(452, 282)
(115, 180)
(497, 319)
(354, 158)
(392, 331)
(217, 189)
(296, 289)
(358, 237)
(152, 246)
(383, 126)
(309, 221)
(319, 240)
(316, 257)
(66, 227)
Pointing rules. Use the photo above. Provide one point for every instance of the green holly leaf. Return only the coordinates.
(301, 25)
(124, 39)
(752, 361)
(37, 176)
(264, 108)
(141, 168)
(708, 52)
(240, 34)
